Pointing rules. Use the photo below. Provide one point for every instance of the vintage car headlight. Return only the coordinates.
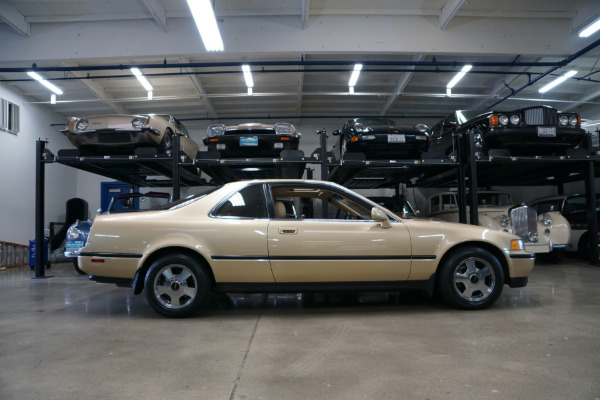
(283, 129)
(74, 233)
(503, 119)
(81, 124)
(573, 120)
(563, 120)
(358, 127)
(545, 219)
(504, 220)
(515, 119)
(139, 122)
(215, 130)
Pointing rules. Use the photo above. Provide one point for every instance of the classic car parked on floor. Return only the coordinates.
(121, 134)
(78, 232)
(546, 234)
(531, 131)
(252, 139)
(381, 137)
(241, 238)
(574, 208)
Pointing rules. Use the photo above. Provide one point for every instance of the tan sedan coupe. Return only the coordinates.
(120, 134)
(295, 236)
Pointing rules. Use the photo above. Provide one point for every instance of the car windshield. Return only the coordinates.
(494, 199)
(376, 122)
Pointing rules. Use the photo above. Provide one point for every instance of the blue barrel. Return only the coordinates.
(32, 252)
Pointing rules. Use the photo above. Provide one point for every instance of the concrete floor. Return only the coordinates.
(65, 337)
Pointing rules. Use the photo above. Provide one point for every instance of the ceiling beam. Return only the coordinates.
(199, 88)
(402, 82)
(158, 13)
(449, 11)
(14, 19)
(305, 13)
(96, 88)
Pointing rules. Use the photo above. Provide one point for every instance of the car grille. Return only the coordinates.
(540, 116)
(524, 222)
(114, 138)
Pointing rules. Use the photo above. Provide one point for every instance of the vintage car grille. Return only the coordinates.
(540, 116)
(524, 222)
(114, 138)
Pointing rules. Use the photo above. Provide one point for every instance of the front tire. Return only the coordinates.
(471, 278)
(176, 286)
(167, 141)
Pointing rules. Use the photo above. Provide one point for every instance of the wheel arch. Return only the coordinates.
(138, 281)
(499, 254)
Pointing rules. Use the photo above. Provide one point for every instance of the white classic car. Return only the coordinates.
(242, 237)
(547, 234)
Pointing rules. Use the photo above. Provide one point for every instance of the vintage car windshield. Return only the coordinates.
(376, 122)
(494, 199)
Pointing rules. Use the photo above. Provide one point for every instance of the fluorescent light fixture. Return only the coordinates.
(351, 89)
(204, 16)
(355, 74)
(248, 75)
(557, 81)
(140, 77)
(44, 82)
(150, 95)
(590, 29)
(249, 91)
(448, 92)
(52, 98)
(459, 76)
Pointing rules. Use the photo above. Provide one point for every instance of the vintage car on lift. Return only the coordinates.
(574, 208)
(252, 139)
(381, 138)
(241, 237)
(77, 234)
(547, 234)
(121, 134)
(532, 131)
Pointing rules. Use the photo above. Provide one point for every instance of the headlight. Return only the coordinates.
(139, 122)
(284, 129)
(515, 119)
(563, 120)
(504, 220)
(573, 120)
(215, 130)
(74, 233)
(422, 127)
(81, 124)
(503, 119)
(545, 219)
(360, 128)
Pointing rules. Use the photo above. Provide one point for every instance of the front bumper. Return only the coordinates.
(113, 138)
(526, 141)
(249, 145)
(379, 145)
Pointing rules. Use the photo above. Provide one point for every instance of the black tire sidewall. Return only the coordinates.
(201, 279)
(445, 281)
(76, 266)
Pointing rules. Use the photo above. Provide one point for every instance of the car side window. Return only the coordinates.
(317, 203)
(449, 202)
(247, 203)
(435, 203)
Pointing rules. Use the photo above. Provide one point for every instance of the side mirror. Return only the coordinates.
(378, 215)
(336, 132)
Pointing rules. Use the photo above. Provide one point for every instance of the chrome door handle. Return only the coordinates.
(288, 231)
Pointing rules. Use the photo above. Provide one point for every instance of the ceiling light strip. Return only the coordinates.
(590, 29)
(141, 78)
(44, 82)
(557, 82)
(204, 16)
(459, 76)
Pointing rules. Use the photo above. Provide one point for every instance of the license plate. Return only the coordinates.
(73, 246)
(249, 141)
(396, 139)
(544, 131)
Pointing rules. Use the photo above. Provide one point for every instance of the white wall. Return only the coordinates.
(18, 164)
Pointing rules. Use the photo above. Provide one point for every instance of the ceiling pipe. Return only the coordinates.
(560, 64)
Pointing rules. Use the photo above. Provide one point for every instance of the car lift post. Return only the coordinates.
(592, 217)
(176, 184)
(39, 208)
(462, 188)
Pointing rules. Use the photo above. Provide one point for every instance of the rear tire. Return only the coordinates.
(471, 278)
(176, 286)
(167, 142)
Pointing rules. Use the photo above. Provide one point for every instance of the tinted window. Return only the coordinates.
(247, 203)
